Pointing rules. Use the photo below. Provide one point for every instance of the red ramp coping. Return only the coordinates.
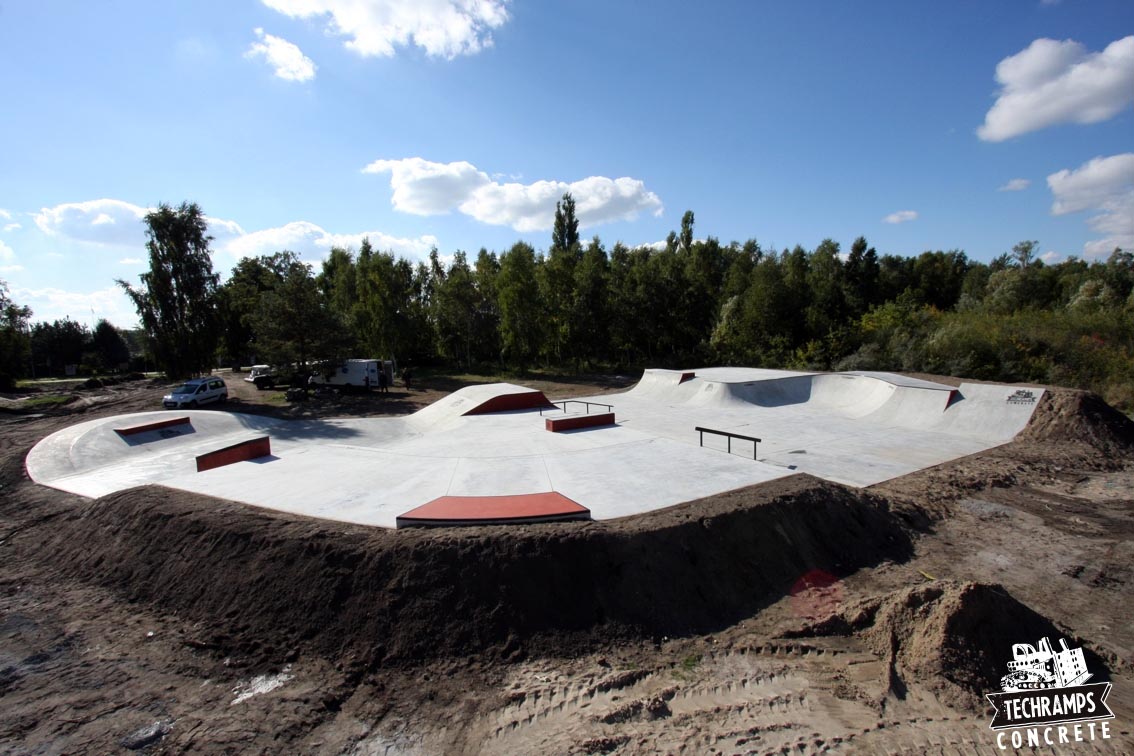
(549, 506)
(156, 425)
(519, 400)
(253, 448)
(573, 422)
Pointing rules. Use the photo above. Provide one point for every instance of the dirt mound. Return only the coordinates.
(279, 584)
(1066, 415)
(954, 637)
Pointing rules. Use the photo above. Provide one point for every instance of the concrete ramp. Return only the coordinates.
(94, 458)
(477, 400)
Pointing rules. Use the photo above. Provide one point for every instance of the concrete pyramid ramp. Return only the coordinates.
(477, 400)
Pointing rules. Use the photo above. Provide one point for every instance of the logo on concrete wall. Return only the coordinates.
(1022, 396)
(1046, 699)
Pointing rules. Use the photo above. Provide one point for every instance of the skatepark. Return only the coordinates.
(500, 452)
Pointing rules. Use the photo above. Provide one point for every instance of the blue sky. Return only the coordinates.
(298, 124)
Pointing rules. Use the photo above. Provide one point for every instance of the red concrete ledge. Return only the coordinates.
(494, 510)
(573, 422)
(253, 448)
(145, 427)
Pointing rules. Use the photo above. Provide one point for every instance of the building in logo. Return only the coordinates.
(1036, 670)
(1046, 700)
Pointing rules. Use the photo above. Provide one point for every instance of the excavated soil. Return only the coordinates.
(795, 616)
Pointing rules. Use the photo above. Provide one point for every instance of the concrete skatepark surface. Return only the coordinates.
(490, 441)
(146, 618)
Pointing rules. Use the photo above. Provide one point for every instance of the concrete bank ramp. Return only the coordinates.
(95, 458)
(477, 400)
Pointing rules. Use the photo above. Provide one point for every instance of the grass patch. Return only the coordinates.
(51, 400)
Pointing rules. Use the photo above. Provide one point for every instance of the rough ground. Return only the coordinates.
(797, 616)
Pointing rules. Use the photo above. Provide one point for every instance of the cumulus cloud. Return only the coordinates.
(1052, 82)
(442, 28)
(49, 304)
(1015, 185)
(902, 216)
(12, 226)
(6, 253)
(422, 187)
(103, 221)
(1104, 185)
(288, 61)
(5, 214)
(425, 188)
(311, 241)
(115, 222)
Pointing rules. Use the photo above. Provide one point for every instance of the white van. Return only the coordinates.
(353, 374)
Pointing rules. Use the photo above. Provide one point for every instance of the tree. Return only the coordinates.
(177, 301)
(519, 304)
(14, 341)
(687, 230)
(292, 323)
(109, 347)
(565, 232)
(238, 303)
(1024, 252)
(59, 344)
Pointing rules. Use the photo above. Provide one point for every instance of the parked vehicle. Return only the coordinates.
(196, 392)
(262, 376)
(354, 374)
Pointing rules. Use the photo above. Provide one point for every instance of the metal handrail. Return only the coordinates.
(565, 402)
(730, 435)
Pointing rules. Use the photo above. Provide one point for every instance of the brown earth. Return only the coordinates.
(794, 616)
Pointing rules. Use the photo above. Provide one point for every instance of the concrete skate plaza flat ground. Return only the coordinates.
(852, 428)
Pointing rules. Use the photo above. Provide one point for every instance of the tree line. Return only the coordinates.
(688, 302)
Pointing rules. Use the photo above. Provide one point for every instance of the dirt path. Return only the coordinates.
(166, 623)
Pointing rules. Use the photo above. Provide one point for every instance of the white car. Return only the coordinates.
(196, 392)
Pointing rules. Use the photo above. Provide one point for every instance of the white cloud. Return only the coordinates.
(311, 241)
(11, 268)
(286, 58)
(104, 221)
(443, 28)
(12, 226)
(115, 222)
(902, 216)
(1052, 82)
(50, 304)
(1104, 185)
(6, 253)
(5, 214)
(1015, 185)
(131, 261)
(422, 187)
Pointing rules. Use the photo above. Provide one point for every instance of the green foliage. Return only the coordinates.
(291, 322)
(699, 302)
(177, 303)
(14, 340)
(109, 347)
(520, 308)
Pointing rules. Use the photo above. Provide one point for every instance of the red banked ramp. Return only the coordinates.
(548, 506)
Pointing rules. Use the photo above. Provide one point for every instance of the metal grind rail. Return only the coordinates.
(730, 436)
(565, 402)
